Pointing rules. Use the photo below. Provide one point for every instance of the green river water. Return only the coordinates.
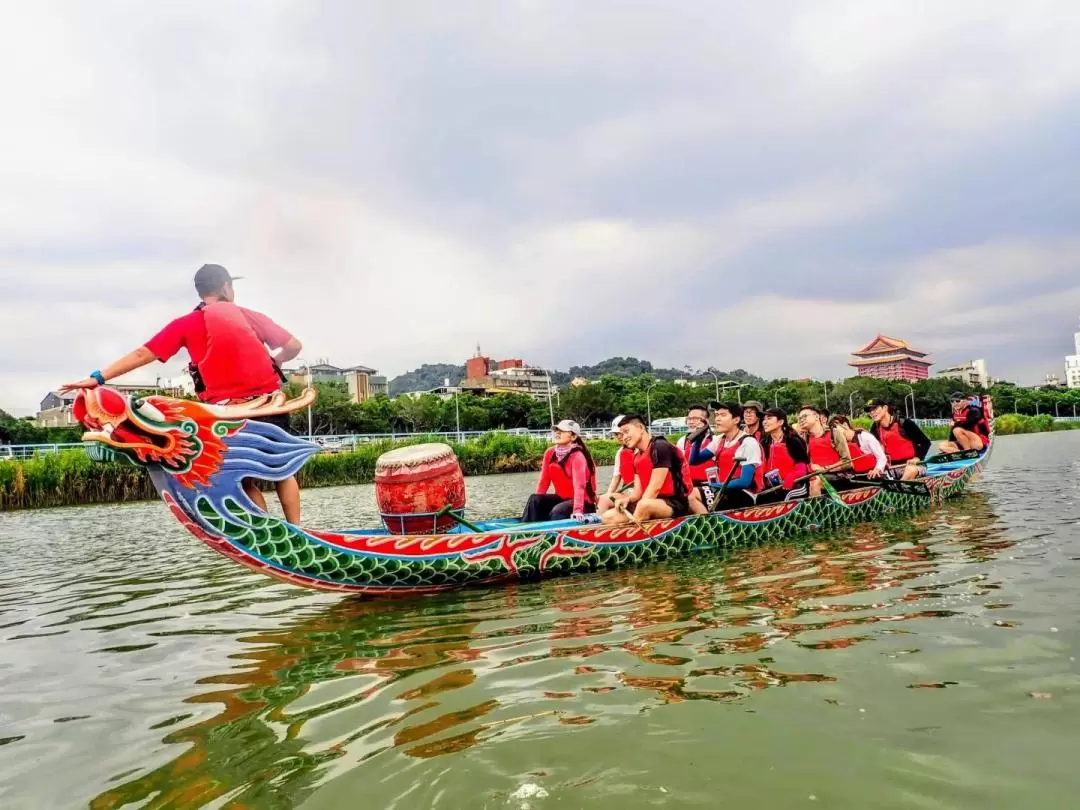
(932, 665)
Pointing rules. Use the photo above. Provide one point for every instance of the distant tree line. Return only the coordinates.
(596, 403)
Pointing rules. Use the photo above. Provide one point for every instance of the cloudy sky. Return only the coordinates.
(760, 185)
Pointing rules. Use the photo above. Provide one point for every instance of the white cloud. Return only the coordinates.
(560, 182)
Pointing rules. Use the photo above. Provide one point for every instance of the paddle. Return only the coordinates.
(446, 511)
(959, 455)
(622, 508)
(894, 485)
(832, 468)
(723, 487)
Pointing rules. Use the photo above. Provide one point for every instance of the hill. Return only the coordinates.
(428, 376)
(432, 375)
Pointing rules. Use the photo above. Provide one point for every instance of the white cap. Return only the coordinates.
(570, 426)
(615, 423)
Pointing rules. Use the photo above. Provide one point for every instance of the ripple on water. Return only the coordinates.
(893, 661)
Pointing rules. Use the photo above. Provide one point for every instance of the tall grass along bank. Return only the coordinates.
(70, 478)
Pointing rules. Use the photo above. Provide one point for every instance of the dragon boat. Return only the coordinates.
(197, 456)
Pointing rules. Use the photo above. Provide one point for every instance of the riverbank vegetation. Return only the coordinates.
(70, 478)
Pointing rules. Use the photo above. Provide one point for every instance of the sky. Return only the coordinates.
(758, 185)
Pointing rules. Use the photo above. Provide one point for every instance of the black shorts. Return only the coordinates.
(679, 506)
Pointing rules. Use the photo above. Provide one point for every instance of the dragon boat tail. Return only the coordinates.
(198, 455)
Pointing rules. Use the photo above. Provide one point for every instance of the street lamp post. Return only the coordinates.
(307, 369)
(776, 398)
(457, 415)
(850, 404)
(1057, 414)
(648, 404)
(912, 389)
(738, 389)
(825, 385)
(551, 405)
(716, 378)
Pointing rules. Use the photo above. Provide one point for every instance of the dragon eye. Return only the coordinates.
(147, 411)
(111, 402)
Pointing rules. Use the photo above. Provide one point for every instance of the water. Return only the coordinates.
(934, 666)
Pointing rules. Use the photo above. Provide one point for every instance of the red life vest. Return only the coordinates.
(232, 346)
(982, 427)
(643, 466)
(624, 462)
(562, 481)
(698, 472)
(860, 465)
(724, 452)
(822, 451)
(780, 460)
(897, 448)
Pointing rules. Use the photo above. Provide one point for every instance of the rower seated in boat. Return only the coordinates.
(737, 457)
(905, 444)
(569, 469)
(700, 492)
(752, 414)
(867, 454)
(970, 430)
(785, 459)
(622, 478)
(826, 447)
(660, 481)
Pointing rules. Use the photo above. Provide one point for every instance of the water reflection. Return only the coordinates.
(355, 680)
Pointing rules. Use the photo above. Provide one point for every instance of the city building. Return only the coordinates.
(442, 392)
(1072, 364)
(887, 358)
(973, 372)
(361, 382)
(485, 377)
(54, 410)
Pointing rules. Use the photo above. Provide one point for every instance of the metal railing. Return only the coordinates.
(344, 442)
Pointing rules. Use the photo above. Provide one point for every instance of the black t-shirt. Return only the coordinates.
(662, 454)
(971, 418)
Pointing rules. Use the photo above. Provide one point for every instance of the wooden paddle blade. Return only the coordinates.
(960, 455)
(916, 488)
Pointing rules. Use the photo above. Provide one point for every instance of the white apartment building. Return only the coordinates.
(1072, 364)
(973, 372)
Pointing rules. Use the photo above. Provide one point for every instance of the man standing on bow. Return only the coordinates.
(229, 365)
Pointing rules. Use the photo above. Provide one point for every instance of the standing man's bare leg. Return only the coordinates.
(288, 492)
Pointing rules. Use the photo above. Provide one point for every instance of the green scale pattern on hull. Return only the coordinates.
(317, 558)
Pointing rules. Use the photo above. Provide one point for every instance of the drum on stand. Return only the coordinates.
(413, 484)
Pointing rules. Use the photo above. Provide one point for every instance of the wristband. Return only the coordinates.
(97, 375)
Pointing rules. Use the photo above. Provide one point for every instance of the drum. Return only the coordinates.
(414, 483)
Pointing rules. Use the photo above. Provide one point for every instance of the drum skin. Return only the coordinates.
(419, 480)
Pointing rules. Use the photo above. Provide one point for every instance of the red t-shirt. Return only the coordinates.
(188, 332)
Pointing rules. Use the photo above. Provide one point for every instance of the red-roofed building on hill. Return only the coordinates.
(889, 358)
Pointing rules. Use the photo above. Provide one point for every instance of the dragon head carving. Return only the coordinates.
(196, 445)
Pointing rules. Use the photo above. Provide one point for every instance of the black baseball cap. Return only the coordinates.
(212, 277)
(875, 403)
